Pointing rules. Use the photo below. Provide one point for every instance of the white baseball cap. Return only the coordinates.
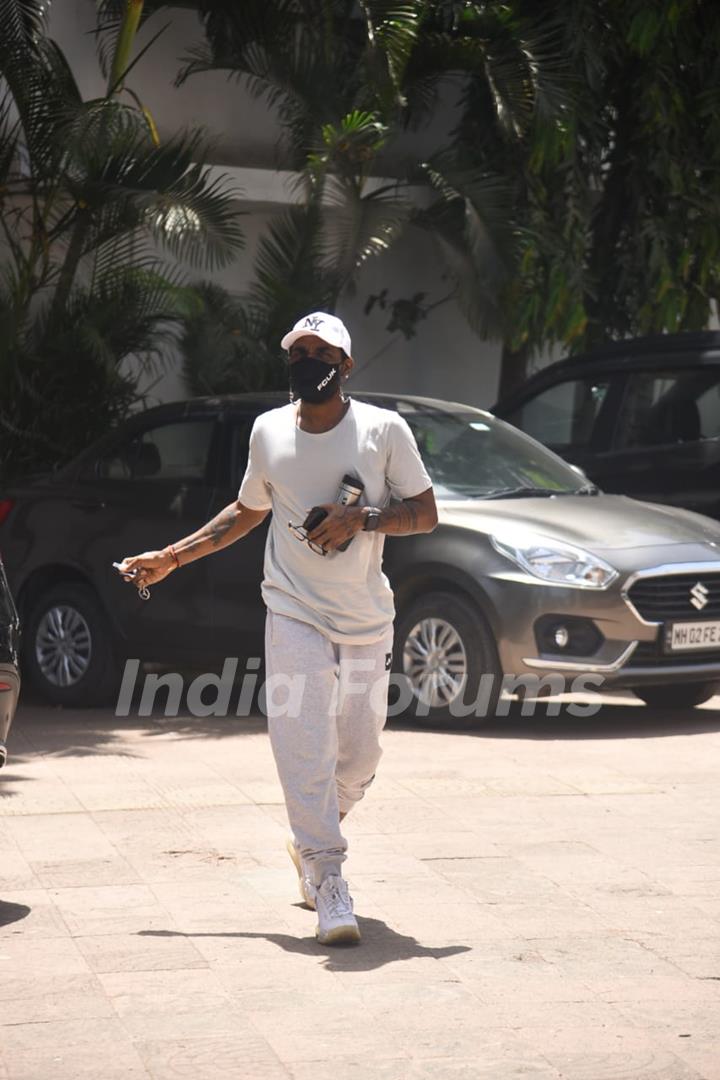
(327, 327)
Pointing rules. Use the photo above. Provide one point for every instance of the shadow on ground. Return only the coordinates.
(612, 721)
(11, 912)
(380, 945)
(46, 729)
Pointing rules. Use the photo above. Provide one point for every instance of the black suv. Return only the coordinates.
(640, 417)
(9, 673)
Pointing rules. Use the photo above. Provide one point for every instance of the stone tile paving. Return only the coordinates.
(539, 899)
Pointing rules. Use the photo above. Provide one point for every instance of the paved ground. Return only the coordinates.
(539, 899)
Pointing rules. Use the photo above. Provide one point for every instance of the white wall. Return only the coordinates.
(243, 130)
(445, 358)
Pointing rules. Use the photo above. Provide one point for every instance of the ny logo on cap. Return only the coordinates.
(313, 322)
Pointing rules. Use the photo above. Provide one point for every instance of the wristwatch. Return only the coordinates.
(372, 518)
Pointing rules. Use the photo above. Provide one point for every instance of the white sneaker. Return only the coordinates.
(336, 923)
(303, 882)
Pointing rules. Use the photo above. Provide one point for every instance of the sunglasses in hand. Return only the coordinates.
(313, 519)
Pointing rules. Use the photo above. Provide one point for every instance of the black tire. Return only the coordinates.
(93, 642)
(481, 658)
(681, 696)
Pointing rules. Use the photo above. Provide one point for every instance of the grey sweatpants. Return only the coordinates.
(326, 705)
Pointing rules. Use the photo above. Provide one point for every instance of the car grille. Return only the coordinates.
(649, 654)
(661, 598)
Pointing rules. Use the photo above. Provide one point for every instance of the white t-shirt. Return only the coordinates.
(345, 594)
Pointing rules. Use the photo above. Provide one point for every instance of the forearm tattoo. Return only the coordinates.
(220, 525)
(400, 517)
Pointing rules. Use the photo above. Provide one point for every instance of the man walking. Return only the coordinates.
(329, 605)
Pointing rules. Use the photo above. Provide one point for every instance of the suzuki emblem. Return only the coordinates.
(698, 596)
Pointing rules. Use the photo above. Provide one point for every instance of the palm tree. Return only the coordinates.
(617, 200)
(87, 195)
(347, 80)
(577, 199)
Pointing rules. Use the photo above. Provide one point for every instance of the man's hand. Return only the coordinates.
(151, 567)
(341, 523)
(232, 523)
(402, 517)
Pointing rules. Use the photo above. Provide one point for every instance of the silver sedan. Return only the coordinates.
(535, 581)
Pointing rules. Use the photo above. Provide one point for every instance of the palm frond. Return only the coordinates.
(114, 246)
(235, 32)
(303, 59)
(43, 91)
(392, 30)
(288, 279)
(486, 201)
(9, 136)
(84, 288)
(22, 21)
(351, 146)
(197, 219)
(223, 347)
(115, 232)
(472, 224)
(115, 170)
(111, 16)
(555, 87)
(356, 227)
(130, 310)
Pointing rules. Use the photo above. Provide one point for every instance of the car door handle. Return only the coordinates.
(88, 504)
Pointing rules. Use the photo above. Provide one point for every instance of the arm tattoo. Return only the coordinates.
(399, 518)
(216, 529)
(214, 534)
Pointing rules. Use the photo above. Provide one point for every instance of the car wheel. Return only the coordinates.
(443, 646)
(683, 696)
(68, 650)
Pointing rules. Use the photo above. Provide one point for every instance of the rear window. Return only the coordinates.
(668, 406)
(176, 451)
(564, 415)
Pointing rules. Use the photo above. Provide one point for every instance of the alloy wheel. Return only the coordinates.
(435, 662)
(63, 645)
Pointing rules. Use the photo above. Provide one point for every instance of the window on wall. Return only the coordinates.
(177, 451)
(563, 415)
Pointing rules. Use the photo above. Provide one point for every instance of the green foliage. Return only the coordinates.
(577, 198)
(87, 194)
(223, 351)
(347, 80)
(619, 233)
(62, 390)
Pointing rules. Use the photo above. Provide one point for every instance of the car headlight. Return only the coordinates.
(557, 563)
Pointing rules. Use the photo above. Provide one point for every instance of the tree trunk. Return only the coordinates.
(513, 370)
(123, 48)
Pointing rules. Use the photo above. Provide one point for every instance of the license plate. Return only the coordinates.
(683, 636)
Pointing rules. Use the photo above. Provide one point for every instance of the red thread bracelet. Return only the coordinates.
(173, 552)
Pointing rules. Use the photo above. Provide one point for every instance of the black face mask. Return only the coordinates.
(313, 380)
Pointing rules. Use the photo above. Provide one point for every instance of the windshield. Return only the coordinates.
(471, 456)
